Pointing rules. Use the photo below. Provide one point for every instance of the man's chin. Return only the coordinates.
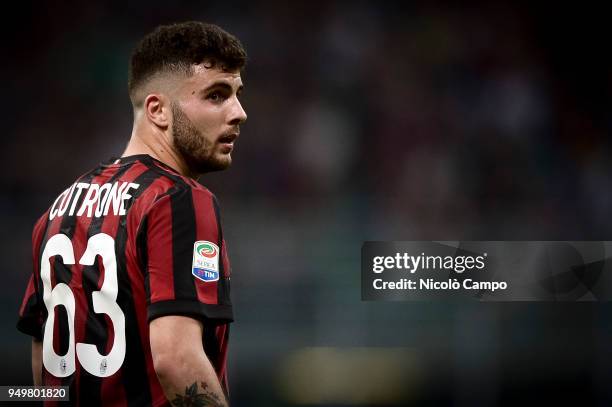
(212, 164)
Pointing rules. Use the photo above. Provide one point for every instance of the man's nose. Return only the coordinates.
(237, 115)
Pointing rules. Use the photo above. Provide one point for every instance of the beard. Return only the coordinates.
(197, 151)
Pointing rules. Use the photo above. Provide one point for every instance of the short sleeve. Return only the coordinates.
(30, 319)
(185, 260)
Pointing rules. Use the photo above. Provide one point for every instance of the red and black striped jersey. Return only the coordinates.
(130, 241)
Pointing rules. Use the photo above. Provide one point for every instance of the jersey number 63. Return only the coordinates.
(104, 302)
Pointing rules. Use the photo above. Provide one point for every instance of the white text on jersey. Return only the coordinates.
(97, 201)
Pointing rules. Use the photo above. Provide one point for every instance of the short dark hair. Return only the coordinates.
(176, 47)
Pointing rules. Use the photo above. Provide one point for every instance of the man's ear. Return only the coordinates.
(157, 109)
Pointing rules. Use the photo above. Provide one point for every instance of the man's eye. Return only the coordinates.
(215, 96)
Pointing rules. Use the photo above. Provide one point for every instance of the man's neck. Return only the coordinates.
(159, 150)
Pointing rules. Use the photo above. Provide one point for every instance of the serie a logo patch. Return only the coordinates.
(205, 264)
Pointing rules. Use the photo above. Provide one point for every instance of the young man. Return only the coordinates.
(129, 301)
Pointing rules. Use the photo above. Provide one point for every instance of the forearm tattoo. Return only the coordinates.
(194, 398)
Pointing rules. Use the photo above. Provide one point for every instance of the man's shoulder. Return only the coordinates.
(174, 187)
(155, 178)
(185, 190)
(176, 183)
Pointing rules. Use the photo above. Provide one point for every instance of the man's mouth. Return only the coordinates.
(227, 142)
(228, 138)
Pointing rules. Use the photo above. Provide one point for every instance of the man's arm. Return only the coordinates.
(181, 365)
(37, 362)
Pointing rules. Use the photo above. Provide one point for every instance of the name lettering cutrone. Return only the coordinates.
(97, 200)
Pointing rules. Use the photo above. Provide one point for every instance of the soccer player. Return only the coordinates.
(128, 303)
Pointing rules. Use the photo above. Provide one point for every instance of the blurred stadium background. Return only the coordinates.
(367, 121)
